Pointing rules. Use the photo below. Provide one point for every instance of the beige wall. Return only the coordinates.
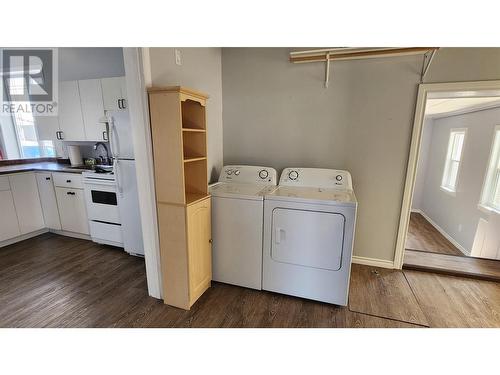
(279, 114)
(200, 70)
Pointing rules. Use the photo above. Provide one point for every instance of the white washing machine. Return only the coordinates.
(309, 223)
(237, 220)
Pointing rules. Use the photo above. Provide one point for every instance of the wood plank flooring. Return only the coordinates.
(486, 269)
(54, 281)
(424, 237)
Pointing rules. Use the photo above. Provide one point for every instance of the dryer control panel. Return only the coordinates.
(316, 177)
(249, 174)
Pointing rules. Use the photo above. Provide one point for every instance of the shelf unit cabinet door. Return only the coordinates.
(9, 226)
(47, 128)
(27, 202)
(92, 109)
(48, 200)
(70, 112)
(199, 235)
(72, 210)
(114, 93)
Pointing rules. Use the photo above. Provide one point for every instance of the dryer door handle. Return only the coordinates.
(278, 236)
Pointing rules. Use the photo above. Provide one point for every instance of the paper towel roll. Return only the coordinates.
(75, 156)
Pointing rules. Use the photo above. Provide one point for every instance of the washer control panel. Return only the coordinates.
(249, 174)
(316, 177)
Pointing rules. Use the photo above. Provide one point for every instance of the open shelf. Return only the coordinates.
(194, 146)
(193, 115)
(194, 197)
(195, 177)
(193, 159)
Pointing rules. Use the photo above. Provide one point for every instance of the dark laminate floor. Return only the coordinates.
(54, 281)
(423, 236)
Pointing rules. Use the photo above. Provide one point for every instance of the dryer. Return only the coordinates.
(237, 221)
(309, 223)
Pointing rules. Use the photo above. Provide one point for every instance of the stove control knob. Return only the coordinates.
(293, 175)
(236, 172)
(229, 172)
(263, 174)
(338, 177)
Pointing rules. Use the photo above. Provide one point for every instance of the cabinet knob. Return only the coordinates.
(70, 193)
(210, 241)
(68, 181)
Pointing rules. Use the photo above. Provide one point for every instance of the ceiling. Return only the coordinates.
(448, 106)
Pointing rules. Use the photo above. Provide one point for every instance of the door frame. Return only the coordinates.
(137, 77)
(411, 171)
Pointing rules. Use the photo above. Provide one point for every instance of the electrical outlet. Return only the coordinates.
(178, 57)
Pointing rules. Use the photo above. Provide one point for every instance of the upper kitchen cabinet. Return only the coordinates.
(91, 99)
(70, 112)
(114, 92)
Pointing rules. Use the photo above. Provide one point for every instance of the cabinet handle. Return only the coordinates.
(61, 135)
(58, 135)
(119, 104)
(105, 136)
(68, 181)
(70, 193)
(210, 241)
(47, 178)
(123, 104)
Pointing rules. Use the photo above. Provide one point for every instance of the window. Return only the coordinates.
(453, 156)
(25, 135)
(490, 197)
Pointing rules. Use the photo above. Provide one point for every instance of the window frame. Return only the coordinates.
(486, 201)
(448, 160)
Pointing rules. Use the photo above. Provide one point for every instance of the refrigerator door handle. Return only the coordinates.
(113, 139)
(118, 177)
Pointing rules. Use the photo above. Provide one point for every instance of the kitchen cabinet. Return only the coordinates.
(48, 200)
(114, 91)
(92, 109)
(72, 211)
(70, 112)
(27, 202)
(47, 128)
(9, 226)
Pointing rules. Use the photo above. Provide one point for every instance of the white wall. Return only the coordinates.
(200, 70)
(278, 114)
(459, 215)
(89, 63)
(425, 144)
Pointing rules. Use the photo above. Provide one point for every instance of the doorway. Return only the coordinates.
(451, 210)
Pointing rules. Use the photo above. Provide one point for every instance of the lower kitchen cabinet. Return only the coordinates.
(27, 202)
(9, 227)
(48, 200)
(72, 210)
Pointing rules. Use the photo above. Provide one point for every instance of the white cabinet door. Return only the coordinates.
(27, 202)
(47, 127)
(48, 200)
(114, 93)
(72, 210)
(70, 112)
(9, 227)
(92, 109)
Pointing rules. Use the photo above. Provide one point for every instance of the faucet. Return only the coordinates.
(96, 146)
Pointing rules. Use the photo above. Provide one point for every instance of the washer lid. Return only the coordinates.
(312, 195)
(240, 191)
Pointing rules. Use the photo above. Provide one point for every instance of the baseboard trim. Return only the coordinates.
(382, 263)
(23, 237)
(443, 232)
(71, 234)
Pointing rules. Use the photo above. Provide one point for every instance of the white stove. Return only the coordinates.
(101, 200)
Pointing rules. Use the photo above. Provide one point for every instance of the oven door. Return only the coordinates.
(101, 202)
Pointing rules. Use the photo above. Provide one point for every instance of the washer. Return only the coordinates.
(237, 220)
(309, 225)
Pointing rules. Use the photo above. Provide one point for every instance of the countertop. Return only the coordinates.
(42, 166)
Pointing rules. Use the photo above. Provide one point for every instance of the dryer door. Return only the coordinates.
(307, 238)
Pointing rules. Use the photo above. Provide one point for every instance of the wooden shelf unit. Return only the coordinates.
(178, 125)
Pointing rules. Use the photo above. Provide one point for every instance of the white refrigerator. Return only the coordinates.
(122, 151)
